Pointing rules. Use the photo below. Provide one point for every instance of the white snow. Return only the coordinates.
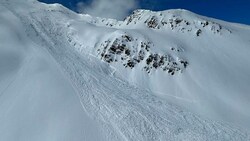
(55, 85)
(36, 101)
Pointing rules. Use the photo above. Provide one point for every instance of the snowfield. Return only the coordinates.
(170, 75)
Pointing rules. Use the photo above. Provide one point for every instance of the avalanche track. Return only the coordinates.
(126, 112)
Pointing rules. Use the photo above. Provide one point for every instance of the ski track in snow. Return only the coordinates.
(126, 112)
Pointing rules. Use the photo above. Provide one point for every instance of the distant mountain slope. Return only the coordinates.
(170, 75)
(188, 59)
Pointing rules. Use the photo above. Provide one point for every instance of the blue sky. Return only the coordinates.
(228, 10)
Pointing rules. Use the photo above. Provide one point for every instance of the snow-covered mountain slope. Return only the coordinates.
(170, 75)
(36, 101)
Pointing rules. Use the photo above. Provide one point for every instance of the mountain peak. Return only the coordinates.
(166, 14)
(175, 19)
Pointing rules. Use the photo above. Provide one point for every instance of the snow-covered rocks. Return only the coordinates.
(131, 51)
(177, 20)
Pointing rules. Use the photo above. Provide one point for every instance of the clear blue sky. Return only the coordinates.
(228, 10)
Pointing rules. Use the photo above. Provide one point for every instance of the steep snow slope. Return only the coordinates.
(36, 100)
(145, 87)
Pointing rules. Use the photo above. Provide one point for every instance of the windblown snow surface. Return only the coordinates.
(170, 75)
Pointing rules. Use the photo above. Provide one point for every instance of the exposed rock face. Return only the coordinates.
(165, 63)
(152, 22)
(130, 52)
